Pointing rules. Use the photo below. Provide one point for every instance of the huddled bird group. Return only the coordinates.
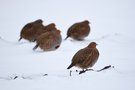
(48, 38)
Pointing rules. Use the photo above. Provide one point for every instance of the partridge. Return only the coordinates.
(85, 57)
(45, 29)
(79, 31)
(49, 41)
(29, 31)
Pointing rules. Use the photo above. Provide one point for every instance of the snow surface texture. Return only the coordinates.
(112, 27)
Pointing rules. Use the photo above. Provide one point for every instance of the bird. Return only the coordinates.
(85, 58)
(49, 41)
(79, 31)
(50, 26)
(45, 29)
(29, 30)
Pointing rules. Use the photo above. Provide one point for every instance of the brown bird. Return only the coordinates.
(79, 31)
(45, 29)
(51, 26)
(85, 57)
(49, 41)
(29, 30)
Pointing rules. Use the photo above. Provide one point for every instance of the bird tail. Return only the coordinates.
(66, 37)
(19, 39)
(35, 47)
(70, 66)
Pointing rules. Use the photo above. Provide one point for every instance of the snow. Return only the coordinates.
(112, 27)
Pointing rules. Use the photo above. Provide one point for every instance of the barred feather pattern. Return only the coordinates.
(85, 58)
(79, 30)
(29, 30)
(49, 41)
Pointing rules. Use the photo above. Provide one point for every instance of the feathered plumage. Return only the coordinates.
(85, 57)
(79, 31)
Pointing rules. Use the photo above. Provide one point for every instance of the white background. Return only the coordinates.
(112, 27)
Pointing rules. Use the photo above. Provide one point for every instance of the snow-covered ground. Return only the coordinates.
(112, 27)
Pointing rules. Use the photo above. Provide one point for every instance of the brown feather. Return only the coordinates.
(79, 30)
(50, 40)
(85, 57)
(29, 30)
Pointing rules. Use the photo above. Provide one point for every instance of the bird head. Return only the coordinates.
(39, 21)
(92, 45)
(52, 25)
(86, 21)
(56, 32)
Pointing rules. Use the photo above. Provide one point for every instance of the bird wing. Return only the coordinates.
(49, 39)
(85, 57)
(28, 26)
(80, 56)
(73, 28)
(91, 58)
